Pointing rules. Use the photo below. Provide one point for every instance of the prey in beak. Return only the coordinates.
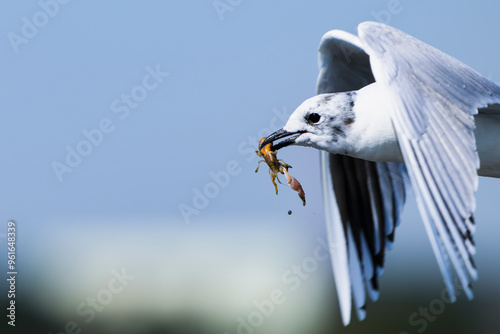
(278, 135)
(278, 166)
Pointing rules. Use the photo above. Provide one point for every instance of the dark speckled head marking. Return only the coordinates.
(344, 116)
(328, 97)
(344, 103)
(323, 120)
(348, 121)
(339, 131)
(351, 97)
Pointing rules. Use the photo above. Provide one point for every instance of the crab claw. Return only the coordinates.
(295, 185)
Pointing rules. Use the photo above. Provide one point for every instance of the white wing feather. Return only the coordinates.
(363, 199)
(434, 99)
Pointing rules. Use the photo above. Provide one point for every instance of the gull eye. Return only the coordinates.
(313, 118)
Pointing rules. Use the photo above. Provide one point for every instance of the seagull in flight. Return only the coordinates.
(391, 108)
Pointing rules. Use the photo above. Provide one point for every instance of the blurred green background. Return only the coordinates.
(128, 133)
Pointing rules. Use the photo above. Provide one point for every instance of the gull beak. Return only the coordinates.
(281, 134)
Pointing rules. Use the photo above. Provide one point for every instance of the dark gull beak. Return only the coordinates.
(278, 135)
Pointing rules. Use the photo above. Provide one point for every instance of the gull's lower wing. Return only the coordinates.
(434, 98)
(363, 199)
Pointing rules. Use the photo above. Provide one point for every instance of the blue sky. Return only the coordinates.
(225, 79)
(232, 77)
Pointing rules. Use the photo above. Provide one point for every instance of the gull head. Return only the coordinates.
(322, 122)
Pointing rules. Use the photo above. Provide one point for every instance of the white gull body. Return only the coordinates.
(372, 136)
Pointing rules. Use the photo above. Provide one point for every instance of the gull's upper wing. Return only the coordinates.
(434, 98)
(363, 199)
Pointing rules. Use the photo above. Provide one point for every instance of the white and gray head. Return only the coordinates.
(322, 122)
